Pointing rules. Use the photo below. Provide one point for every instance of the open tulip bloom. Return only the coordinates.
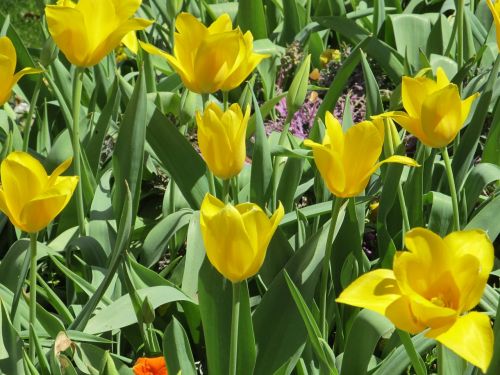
(433, 286)
(28, 196)
(211, 58)
(89, 30)
(346, 161)
(8, 60)
(236, 237)
(435, 113)
(221, 137)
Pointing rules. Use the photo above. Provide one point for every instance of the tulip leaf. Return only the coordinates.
(128, 154)
(157, 239)
(251, 17)
(374, 104)
(441, 214)
(177, 350)
(494, 367)
(174, 152)
(261, 162)
(491, 152)
(195, 253)
(466, 149)
(487, 218)
(290, 178)
(479, 177)
(293, 21)
(11, 346)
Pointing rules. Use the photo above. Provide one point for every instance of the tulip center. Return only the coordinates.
(438, 301)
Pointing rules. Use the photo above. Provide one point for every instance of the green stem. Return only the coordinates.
(453, 190)
(225, 99)
(440, 359)
(77, 96)
(336, 204)
(460, 32)
(401, 197)
(225, 189)
(415, 358)
(29, 119)
(277, 159)
(32, 316)
(233, 350)
(235, 188)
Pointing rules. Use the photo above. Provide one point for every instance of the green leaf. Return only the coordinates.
(486, 218)
(298, 88)
(11, 346)
(289, 180)
(177, 350)
(251, 17)
(128, 154)
(479, 177)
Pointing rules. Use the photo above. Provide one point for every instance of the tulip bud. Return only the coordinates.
(221, 137)
(236, 237)
(49, 52)
(298, 89)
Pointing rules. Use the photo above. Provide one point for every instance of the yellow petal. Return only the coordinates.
(5, 209)
(400, 314)
(431, 314)
(375, 290)
(413, 93)
(8, 58)
(471, 337)
(126, 8)
(412, 125)
(24, 72)
(441, 78)
(61, 168)
(221, 24)
(496, 17)
(329, 164)
(442, 116)
(394, 159)
(23, 178)
(130, 41)
(471, 276)
(40, 211)
(334, 135)
(231, 255)
(68, 29)
(466, 105)
(362, 147)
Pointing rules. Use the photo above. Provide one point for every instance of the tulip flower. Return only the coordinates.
(28, 196)
(346, 161)
(89, 30)
(434, 285)
(210, 59)
(495, 11)
(236, 237)
(221, 137)
(8, 59)
(150, 366)
(435, 112)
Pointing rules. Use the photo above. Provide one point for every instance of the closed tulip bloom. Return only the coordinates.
(28, 196)
(434, 285)
(495, 11)
(221, 137)
(346, 161)
(150, 366)
(236, 237)
(90, 29)
(8, 60)
(210, 58)
(435, 112)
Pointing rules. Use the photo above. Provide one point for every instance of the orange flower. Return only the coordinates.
(150, 366)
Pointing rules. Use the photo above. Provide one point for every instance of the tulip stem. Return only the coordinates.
(336, 205)
(453, 190)
(32, 316)
(225, 189)
(29, 119)
(77, 96)
(415, 358)
(233, 350)
(235, 188)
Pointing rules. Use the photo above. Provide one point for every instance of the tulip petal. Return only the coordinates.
(24, 72)
(5, 209)
(363, 136)
(39, 212)
(23, 178)
(400, 314)
(61, 168)
(8, 58)
(230, 255)
(334, 135)
(188, 25)
(221, 24)
(100, 20)
(393, 159)
(114, 38)
(126, 8)
(413, 93)
(495, 11)
(412, 125)
(329, 164)
(466, 105)
(68, 29)
(441, 78)
(471, 276)
(131, 42)
(375, 290)
(442, 116)
(471, 337)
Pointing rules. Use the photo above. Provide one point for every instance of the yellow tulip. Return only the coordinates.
(346, 161)
(28, 196)
(8, 59)
(210, 59)
(87, 31)
(495, 11)
(434, 285)
(221, 137)
(236, 237)
(435, 112)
